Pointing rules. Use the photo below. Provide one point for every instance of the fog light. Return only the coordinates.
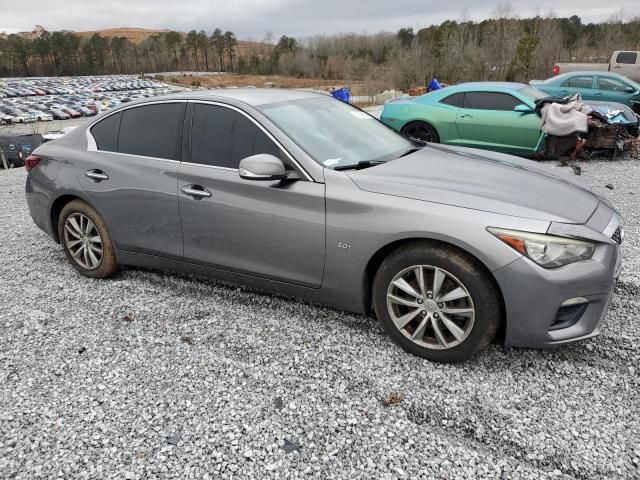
(569, 313)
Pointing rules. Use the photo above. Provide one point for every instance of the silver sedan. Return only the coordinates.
(450, 248)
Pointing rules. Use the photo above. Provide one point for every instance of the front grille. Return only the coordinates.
(617, 236)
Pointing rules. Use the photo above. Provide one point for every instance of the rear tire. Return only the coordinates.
(436, 301)
(86, 241)
(421, 131)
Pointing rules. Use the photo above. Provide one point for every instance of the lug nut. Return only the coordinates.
(440, 304)
(429, 295)
(420, 301)
(436, 315)
(423, 313)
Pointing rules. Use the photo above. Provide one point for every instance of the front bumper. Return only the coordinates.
(533, 295)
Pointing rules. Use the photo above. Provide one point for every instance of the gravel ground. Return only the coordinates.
(163, 376)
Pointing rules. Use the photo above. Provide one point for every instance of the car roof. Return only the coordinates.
(508, 85)
(249, 96)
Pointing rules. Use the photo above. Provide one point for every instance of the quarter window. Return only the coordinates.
(222, 137)
(105, 132)
(455, 100)
(152, 130)
(579, 82)
(627, 57)
(490, 101)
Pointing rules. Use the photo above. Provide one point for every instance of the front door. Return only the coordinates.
(488, 120)
(273, 229)
(130, 175)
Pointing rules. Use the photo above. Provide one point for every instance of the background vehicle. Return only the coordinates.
(624, 62)
(496, 116)
(593, 85)
(314, 198)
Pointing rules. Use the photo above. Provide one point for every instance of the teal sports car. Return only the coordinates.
(499, 116)
(605, 86)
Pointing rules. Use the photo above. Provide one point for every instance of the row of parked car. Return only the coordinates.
(46, 99)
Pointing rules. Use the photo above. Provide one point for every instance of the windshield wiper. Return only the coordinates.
(360, 165)
(409, 152)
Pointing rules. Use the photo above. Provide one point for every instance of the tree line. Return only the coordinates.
(503, 47)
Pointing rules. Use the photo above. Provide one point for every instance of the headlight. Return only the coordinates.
(547, 251)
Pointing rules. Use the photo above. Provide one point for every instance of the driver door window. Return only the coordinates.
(222, 137)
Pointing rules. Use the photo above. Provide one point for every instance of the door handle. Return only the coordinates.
(466, 115)
(97, 175)
(196, 191)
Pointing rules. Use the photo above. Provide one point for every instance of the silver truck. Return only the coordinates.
(624, 62)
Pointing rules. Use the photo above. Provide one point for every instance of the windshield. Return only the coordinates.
(533, 93)
(334, 133)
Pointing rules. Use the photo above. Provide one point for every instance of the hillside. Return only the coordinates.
(137, 35)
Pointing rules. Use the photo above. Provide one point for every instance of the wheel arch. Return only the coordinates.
(383, 252)
(56, 208)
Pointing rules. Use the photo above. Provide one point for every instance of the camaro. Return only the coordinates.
(497, 116)
(307, 196)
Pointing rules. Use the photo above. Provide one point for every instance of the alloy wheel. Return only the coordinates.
(430, 307)
(83, 241)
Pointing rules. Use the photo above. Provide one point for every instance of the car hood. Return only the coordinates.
(480, 180)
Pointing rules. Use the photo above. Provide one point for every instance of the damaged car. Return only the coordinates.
(505, 117)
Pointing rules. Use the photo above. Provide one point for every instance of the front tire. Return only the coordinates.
(86, 241)
(436, 301)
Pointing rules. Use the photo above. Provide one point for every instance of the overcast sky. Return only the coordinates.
(252, 18)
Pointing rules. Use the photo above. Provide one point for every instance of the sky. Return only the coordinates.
(251, 19)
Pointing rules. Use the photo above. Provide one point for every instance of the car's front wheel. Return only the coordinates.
(436, 301)
(86, 240)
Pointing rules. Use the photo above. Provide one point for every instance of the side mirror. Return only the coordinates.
(262, 167)
(522, 108)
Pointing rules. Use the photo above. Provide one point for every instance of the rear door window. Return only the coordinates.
(627, 57)
(105, 132)
(579, 82)
(222, 137)
(490, 101)
(152, 130)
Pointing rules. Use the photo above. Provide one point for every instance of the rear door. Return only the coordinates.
(269, 229)
(130, 175)
(488, 120)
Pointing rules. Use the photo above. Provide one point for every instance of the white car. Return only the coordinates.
(38, 116)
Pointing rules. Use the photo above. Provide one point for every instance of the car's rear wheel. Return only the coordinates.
(421, 131)
(86, 240)
(436, 301)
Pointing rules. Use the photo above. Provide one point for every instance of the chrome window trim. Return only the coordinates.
(93, 147)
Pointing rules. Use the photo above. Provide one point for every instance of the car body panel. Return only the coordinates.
(321, 236)
(254, 227)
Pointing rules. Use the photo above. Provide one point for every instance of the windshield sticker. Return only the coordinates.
(331, 162)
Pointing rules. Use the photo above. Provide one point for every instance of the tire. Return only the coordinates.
(421, 131)
(471, 302)
(79, 222)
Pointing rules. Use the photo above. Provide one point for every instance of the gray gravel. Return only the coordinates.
(150, 375)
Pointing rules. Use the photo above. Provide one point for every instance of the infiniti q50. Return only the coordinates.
(304, 195)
